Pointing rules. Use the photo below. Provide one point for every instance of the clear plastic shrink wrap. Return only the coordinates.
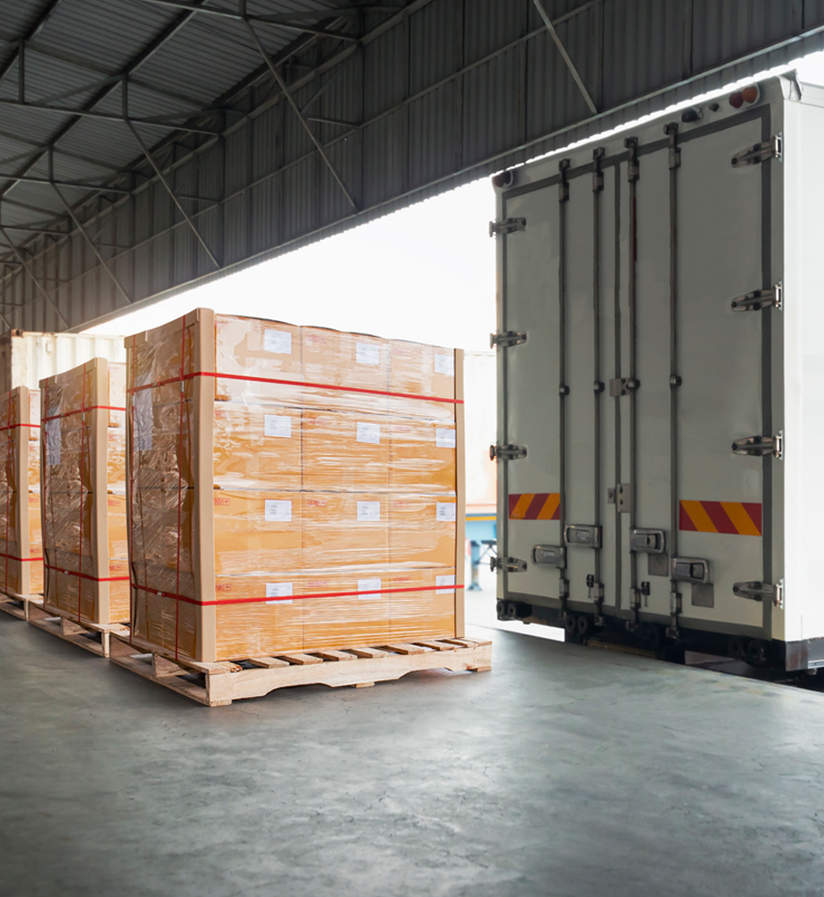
(21, 552)
(291, 488)
(85, 534)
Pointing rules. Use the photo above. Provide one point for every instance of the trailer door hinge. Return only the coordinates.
(506, 339)
(507, 226)
(509, 565)
(760, 152)
(760, 445)
(761, 591)
(506, 452)
(759, 299)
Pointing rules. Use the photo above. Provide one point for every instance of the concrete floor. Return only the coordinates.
(564, 771)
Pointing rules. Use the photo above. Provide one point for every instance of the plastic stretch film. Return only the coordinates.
(85, 538)
(21, 550)
(291, 488)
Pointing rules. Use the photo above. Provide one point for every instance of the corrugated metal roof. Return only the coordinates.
(405, 100)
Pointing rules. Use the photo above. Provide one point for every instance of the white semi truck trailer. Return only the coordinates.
(660, 342)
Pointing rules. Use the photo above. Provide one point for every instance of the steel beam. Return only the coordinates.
(35, 29)
(159, 172)
(92, 244)
(291, 100)
(108, 116)
(92, 188)
(275, 21)
(41, 289)
(553, 33)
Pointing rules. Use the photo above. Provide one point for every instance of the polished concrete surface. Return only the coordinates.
(564, 771)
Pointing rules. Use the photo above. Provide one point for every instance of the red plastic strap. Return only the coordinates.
(372, 392)
(13, 557)
(86, 575)
(187, 600)
(15, 426)
(81, 411)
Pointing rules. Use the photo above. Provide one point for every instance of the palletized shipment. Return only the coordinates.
(291, 489)
(21, 554)
(661, 373)
(84, 494)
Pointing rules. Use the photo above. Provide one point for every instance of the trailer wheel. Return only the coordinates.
(571, 624)
(583, 625)
(735, 648)
(756, 653)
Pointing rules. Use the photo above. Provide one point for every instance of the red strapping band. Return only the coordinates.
(15, 426)
(372, 392)
(86, 575)
(216, 602)
(13, 557)
(79, 411)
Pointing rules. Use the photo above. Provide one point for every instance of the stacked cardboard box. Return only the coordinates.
(21, 554)
(291, 488)
(85, 537)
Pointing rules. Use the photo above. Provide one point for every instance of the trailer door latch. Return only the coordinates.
(506, 339)
(649, 541)
(760, 445)
(509, 565)
(690, 569)
(549, 555)
(761, 591)
(759, 299)
(506, 452)
(506, 226)
(760, 152)
(578, 536)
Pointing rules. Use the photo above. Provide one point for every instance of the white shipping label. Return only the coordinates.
(277, 511)
(53, 441)
(369, 585)
(446, 511)
(277, 341)
(277, 425)
(445, 364)
(445, 581)
(281, 590)
(444, 438)
(369, 512)
(143, 420)
(366, 353)
(370, 433)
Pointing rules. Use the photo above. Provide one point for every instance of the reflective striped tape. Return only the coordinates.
(733, 517)
(535, 506)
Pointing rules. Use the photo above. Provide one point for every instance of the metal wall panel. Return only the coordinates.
(428, 97)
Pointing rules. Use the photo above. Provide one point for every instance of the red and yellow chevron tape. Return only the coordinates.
(733, 517)
(535, 506)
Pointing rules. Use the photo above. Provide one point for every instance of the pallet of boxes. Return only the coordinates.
(296, 508)
(85, 542)
(21, 555)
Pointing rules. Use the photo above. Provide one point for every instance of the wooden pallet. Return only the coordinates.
(19, 606)
(218, 684)
(94, 637)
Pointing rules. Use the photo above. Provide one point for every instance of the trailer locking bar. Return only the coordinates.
(510, 565)
(506, 339)
(506, 452)
(761, 591)
(760, 445)
(507, 226)
(549, 555)
(759, 299)
(760, 152)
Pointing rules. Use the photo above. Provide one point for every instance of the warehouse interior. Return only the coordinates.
(158, 156)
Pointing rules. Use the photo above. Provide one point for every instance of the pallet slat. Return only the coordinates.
(365, 667)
